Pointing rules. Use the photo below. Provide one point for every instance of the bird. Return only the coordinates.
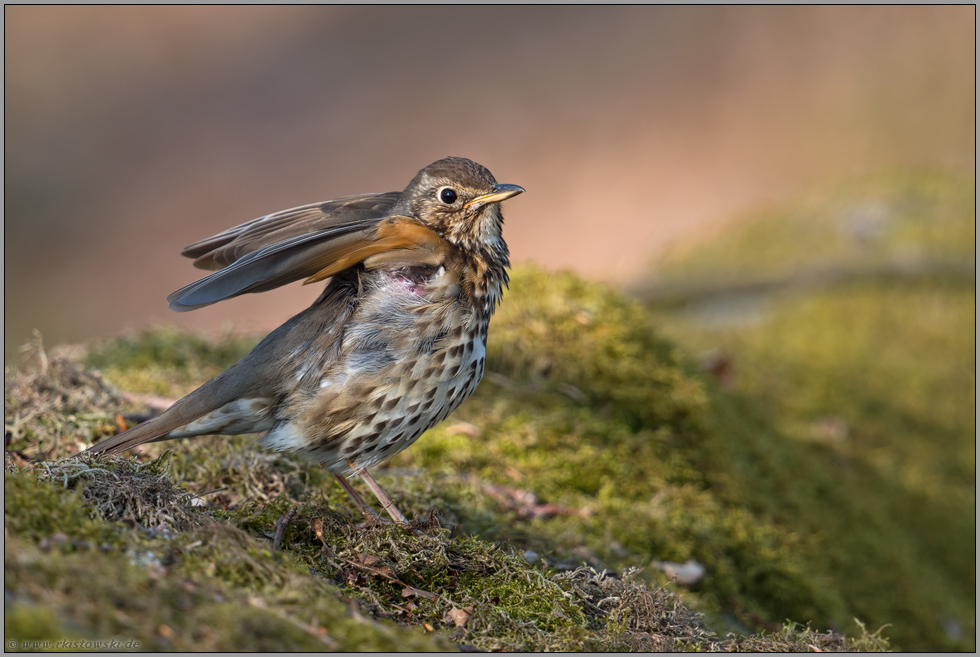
(392, 346)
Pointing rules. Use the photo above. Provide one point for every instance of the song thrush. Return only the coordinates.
(394, 344)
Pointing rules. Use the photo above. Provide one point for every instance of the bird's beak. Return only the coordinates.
(499, 193)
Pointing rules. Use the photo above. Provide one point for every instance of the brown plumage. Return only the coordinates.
(394, 344)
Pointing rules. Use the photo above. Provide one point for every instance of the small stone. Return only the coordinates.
(686, 574)
(464, 428)
(830, 428)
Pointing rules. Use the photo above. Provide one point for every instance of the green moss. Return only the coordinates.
(207, 588)
(31, 623)
(858, 225)
(867, 387)
(57, 408)
(108, 598)
(230, 470)
(593, 440)
(39, 511)
(159, 360)
(878, 507)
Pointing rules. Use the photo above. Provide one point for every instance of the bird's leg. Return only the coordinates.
(369, 513)
(386, 502)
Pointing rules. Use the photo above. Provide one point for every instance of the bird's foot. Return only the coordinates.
(371, 518)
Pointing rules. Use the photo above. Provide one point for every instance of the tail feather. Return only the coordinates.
(241, 399)
(152, 430)
(219, 391)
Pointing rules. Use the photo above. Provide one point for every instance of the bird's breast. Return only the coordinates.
(414, 349)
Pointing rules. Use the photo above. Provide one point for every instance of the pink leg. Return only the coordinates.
(359, 502)
(386, 502)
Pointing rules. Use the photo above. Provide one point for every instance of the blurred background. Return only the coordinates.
(131, 132)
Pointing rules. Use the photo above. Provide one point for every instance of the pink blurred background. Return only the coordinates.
(131, 132)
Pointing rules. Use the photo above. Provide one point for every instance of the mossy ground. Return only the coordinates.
(868, 381)
(109, 549)
(593, 441)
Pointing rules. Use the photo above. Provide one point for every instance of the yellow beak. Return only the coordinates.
(499, 193)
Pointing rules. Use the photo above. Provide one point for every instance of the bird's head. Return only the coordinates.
(460, 200)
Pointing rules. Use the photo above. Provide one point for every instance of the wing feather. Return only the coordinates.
(406, 241)
(235, 243)
(315, 257)
(270, 267)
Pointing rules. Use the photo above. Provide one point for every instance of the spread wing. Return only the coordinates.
(312, 242)
(233, 244)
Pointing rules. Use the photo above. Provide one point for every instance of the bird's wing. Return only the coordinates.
(235, 243)
(326, 251)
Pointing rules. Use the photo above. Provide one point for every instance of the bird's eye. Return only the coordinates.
(447, 195)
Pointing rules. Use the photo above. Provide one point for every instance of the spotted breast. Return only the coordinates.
(413, 349)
